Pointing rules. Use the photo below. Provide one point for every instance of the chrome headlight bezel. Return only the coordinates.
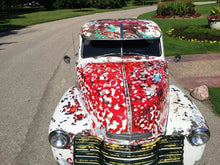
(199, 136)
(59, 139)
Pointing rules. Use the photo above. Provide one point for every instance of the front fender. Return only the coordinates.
(183, 118)
(69, 117)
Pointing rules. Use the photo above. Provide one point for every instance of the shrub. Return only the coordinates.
(103, 4)
(144, 2)
(176, 8)
(70, 4)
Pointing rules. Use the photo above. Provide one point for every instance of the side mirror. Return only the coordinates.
(67, 59)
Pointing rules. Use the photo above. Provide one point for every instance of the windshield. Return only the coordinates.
(94, 48)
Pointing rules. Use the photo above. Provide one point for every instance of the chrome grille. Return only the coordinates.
(165, 150)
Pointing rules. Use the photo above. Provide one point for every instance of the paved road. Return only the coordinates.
(33, 77)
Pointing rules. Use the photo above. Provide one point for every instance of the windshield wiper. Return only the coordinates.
(109, 54)
(139, 54)
(132, 53)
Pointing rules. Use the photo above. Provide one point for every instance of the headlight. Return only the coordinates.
(59, 139)
(199, 136)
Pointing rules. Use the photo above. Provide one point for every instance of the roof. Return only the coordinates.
(120, 29)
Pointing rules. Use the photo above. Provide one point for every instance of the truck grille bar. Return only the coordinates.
(165, 150)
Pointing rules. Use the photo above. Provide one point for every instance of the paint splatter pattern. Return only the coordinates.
(70, 117)
(148, 88)
(187, 116)
(104, 96)
(103, 89)
(117, 29)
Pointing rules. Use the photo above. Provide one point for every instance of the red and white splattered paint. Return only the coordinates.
(121, 28)
(104, 92)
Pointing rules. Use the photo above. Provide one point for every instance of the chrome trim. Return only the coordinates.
(59, 132)
(195, 131)
(128, 100)
(129, 136)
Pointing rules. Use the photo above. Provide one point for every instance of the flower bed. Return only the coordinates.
(199, 36)
(181, 8)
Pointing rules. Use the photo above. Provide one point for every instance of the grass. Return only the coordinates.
(215, 99)
(202, 0)
(202, 29)
(30, 16)
(175, 46)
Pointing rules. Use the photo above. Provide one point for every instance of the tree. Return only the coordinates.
(103, 4)
(71, 4)
(49, 4)
(10, 5)
(141, 2)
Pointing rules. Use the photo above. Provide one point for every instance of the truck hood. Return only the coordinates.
(125, 97)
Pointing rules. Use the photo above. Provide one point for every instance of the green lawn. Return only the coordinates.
(203, 0)
(175, 46)
(215, 99)
(30, 16)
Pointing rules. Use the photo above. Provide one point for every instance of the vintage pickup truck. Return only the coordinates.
(123, 109)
